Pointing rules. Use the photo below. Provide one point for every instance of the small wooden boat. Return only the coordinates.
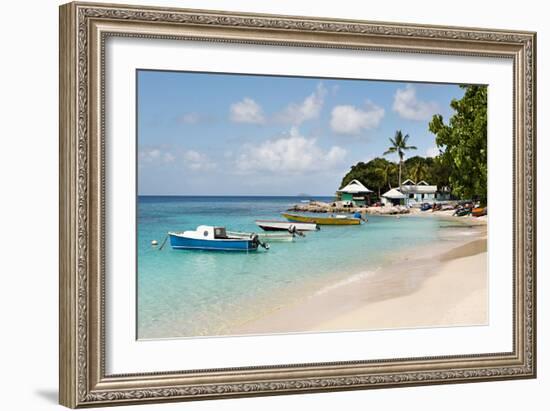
(333, 220)
(214, 238)
(461, 212)
(479, 211)
(274, 225)
(267, 237)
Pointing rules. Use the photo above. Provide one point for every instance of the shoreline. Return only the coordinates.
(338, 206)
(403, 293)
(448, 216)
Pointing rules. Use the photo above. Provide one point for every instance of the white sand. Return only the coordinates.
(445, 289)
(456, 295)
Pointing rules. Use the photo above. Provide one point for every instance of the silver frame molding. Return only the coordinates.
(84, 27)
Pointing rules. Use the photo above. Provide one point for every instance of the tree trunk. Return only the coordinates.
(400, 162)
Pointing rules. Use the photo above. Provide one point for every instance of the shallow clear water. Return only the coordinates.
(185, 293)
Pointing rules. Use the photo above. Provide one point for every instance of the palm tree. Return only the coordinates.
(418, 171)
(386, 172)
(399, 146)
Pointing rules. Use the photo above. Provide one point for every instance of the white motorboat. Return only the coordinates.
(290, 226)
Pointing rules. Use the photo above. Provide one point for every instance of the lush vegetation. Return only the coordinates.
(380, 175)
(465, 143)
(461, 164)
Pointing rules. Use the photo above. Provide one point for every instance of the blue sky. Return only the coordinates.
(222, 134)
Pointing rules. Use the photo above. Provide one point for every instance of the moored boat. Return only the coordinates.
(461, 212)
(333, 220)
(479, 211)
(275, 225)
(267, 237)
(215, 239)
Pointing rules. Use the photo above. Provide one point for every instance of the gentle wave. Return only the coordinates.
(346, 281)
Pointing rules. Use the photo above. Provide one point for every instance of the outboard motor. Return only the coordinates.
(292, 230)
(256, 240)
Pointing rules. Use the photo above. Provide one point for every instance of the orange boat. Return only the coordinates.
(479, 211)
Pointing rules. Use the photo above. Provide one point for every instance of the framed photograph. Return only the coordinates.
(260, 205)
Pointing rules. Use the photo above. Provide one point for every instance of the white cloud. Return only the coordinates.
(310, 108)
(335, 156)
(193, 160)
(432, 152)
(408, 106)
(149, 154)
(189, 159)
(292, 154)
(247, 111)
(348, 119)
(168, 157)
(155, 154)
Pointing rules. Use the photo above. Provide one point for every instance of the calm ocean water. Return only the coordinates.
(185, 293)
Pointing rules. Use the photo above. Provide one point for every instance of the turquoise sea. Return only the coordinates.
(187, 293)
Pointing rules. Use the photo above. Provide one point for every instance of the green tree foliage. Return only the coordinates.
(464, 143)
(377, 174)
(418, 171)
(381, 175)
(388, 171)
(416, 167)
(399, 146)
(430, 169)
(439, 173)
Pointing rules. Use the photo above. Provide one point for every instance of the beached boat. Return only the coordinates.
(267, 237)
(332, 220)
(479, 211)
(214, 238)
(275, 225)
(461, 212)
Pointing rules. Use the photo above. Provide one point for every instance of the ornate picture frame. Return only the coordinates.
(84, 28)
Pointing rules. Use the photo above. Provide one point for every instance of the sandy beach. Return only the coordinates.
(443, 285)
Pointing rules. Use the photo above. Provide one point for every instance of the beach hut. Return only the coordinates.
(356, 193)
(443, 194)
(420, 192)
(393, 197)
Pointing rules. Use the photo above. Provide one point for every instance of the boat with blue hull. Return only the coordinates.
(214, 239)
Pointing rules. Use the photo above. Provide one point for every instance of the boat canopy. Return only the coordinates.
(206, 232)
